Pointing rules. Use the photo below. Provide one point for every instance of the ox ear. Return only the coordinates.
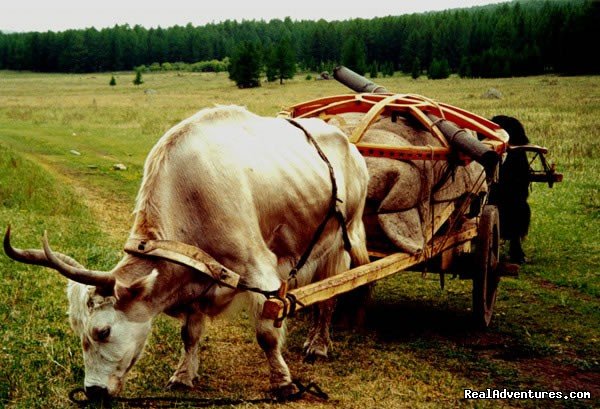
(138, 289)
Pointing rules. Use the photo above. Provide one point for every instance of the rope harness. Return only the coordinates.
(289, 301)
(170, 401)
(333, 211)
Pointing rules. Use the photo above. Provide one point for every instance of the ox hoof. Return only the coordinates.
(175, 384)
(314, 357)
(519, 260)
(285, 392)
(314, 351)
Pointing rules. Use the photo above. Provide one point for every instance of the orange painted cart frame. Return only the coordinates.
(375, 106)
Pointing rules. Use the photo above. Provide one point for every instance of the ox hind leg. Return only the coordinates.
(319, 341)
(351, 307)
(194, 325)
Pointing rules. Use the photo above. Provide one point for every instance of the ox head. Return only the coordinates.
(103, 313)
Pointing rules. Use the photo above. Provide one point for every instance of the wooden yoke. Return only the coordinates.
(186, 255)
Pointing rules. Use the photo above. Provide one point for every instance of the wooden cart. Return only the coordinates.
(464, 237)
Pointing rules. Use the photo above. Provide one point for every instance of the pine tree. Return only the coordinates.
(112, 82)
(281, 61)
(245, 65)
(387, 69)
(354, 55)
(439, 69)
(465, 68)
(271, 68)
(416, 68)
(138, 77)
(374, 71)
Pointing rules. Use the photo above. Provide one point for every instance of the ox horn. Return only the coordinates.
(65, 265)
(30, 256)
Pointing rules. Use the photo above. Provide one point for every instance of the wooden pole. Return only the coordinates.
(351, 279)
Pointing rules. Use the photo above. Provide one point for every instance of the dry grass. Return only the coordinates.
(418, 349)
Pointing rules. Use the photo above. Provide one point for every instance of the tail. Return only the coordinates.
(359, 255)
(351, 309)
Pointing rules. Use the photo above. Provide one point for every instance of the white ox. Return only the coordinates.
(250, 192)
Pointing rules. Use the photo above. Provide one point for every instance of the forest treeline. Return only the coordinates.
(510, 39)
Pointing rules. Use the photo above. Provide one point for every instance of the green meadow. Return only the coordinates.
(418, 348)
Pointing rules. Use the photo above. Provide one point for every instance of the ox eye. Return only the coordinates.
(101, 334)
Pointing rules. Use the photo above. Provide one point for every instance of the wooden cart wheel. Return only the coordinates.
(485, 276)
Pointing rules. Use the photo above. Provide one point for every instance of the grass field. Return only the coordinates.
(418, 349)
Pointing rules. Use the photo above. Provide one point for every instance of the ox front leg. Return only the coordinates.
(191, 332)
(271, 340)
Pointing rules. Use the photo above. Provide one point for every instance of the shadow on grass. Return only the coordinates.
(408, 320)
(447, 337)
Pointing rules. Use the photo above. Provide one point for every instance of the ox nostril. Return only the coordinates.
(96, 393)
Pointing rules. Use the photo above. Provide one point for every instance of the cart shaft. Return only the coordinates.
(349, 280)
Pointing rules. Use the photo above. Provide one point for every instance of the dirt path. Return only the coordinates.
(114, 217)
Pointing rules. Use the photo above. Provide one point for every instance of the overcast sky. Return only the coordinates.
(59, 15)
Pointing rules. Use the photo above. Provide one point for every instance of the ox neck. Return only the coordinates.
(175, 285)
